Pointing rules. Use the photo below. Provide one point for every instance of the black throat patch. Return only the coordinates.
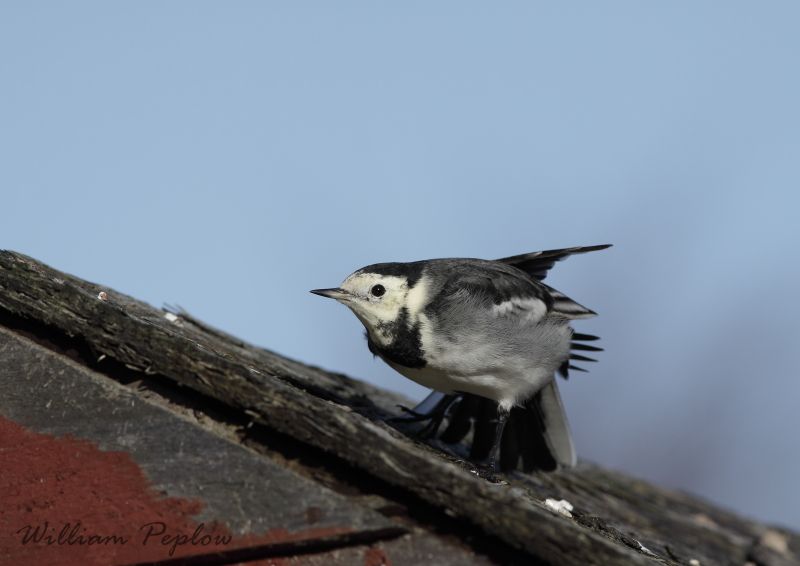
(405, 348)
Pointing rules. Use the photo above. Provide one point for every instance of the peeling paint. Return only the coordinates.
(68, 502)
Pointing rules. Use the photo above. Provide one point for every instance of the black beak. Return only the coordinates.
(335, 293)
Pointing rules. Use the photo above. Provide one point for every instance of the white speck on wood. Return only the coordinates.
(644, 549)
(560, 506)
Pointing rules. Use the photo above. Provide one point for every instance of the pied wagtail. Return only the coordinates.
(479, 330)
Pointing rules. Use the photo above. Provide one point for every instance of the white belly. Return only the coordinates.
(508, 370)
(508, 388)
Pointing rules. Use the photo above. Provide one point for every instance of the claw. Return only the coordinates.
(489, 470)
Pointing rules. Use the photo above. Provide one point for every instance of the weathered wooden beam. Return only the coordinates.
(84, 453)
(616, 520)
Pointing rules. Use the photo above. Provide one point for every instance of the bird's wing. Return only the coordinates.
(577, 345)
(537, 264)
(566, 307)
(480, 289)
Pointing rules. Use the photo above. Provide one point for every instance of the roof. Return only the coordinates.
(161, 415)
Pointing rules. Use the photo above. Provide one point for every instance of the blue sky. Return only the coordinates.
(230, 156)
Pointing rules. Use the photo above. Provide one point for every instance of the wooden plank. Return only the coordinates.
(85, 455)
(338, 416)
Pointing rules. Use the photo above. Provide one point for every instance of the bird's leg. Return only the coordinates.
(494, 451)
(435, 416)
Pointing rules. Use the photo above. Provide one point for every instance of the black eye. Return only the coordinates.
(377, 290)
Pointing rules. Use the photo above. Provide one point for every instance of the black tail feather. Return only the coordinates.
(584, 337)
(585, 347)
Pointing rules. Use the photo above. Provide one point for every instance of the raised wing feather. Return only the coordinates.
(537, 264)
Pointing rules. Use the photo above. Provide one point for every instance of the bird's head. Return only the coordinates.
(380, 295)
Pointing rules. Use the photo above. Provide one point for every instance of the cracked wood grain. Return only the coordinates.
(617, 520)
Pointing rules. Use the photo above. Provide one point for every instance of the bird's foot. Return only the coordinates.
(489, 468)
(490, 471)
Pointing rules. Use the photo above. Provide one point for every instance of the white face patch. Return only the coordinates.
(375, 310)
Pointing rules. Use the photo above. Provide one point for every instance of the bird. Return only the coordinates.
(488, 336)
